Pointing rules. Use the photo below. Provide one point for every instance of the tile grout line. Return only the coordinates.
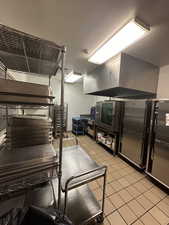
(155, 205)
(134, 198)
(162, 211)
(125, 203)
(138, 217)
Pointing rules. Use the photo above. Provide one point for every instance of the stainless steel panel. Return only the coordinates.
(134, 116)
(12, 144)
(41, 197)
(132, 146)
(26, 155)
(133, 130)
(15, 99)
(88, 206)
(26, 167)
(123, 76)
(24, 88)
(26, 131)
(75, 162)
(161, 161)
(103, 77)
(162, 131)
(160, 150)
(29, 122)
(138, 75)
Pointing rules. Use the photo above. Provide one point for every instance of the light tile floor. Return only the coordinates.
(131, 198)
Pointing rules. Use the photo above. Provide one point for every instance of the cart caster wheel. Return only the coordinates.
(100, 219)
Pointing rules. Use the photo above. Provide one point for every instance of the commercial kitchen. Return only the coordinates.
(84, 112)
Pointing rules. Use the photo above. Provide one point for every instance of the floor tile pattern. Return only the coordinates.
(131, 197)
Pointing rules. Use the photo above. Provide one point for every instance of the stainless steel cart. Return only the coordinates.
(78, 170)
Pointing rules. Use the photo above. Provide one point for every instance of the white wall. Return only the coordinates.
(78, 103)
(163, 84)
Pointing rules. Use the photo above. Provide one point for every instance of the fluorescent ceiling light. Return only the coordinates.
(127, 35)
(72, 77)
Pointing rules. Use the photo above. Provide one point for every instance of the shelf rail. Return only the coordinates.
(24, 52)
(61, 128)
(85, 181)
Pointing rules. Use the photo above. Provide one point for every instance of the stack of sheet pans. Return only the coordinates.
(12, 91)
(57, 119)
(25, 131)
(25, 167)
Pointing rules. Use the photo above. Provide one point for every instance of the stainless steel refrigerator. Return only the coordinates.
(158, 160)
(134, 141)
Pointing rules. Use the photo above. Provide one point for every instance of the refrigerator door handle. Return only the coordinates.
(144, 142)
(153, 147)
(154, 135)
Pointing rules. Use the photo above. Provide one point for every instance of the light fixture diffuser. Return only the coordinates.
(127, 35)
(72, 77)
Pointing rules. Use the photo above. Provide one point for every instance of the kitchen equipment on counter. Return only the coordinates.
(108, 115)
(108, 122)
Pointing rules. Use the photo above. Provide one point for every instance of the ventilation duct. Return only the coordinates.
(123, 76)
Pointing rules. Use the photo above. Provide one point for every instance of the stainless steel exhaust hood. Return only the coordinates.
(124, 76)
